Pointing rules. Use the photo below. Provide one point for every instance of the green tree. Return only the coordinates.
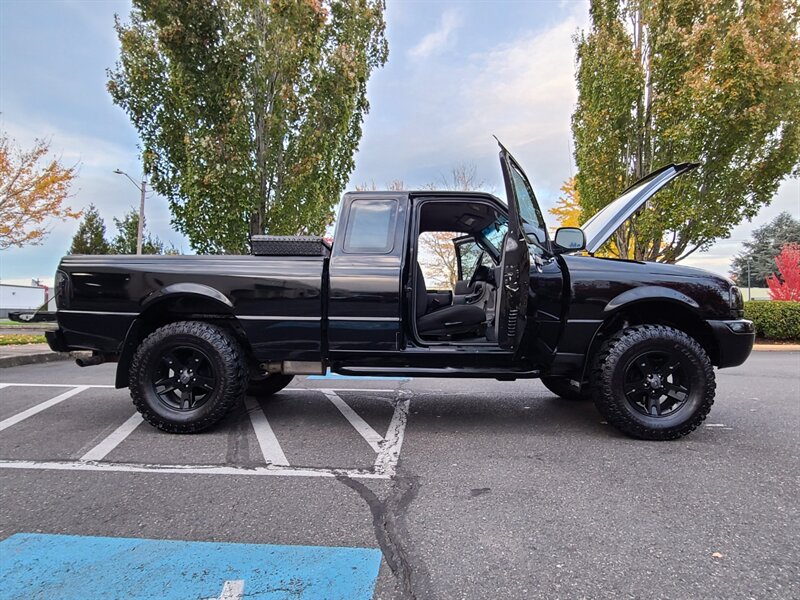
(127, 231)
(712, 81)
(760, 251)
(249, 112)
(91, 235)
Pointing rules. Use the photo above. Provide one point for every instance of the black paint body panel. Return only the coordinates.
(277, 301)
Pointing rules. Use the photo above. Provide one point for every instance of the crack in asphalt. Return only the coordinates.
(389, 522)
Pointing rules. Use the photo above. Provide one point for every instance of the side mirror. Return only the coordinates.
(569, 239)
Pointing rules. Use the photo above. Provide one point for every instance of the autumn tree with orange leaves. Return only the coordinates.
(32, 193)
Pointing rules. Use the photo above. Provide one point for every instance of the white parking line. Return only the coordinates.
(388, 457)
(77, 465)
(270, 448)
(61, 385)
(116, 437)
(13, 420)
(387, 448)
(360, 425)
(231, 590)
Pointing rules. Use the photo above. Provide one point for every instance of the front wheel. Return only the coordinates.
(653, 382)
(186, 376)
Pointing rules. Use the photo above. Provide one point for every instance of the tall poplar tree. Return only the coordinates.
(711, 81)
(249, 112)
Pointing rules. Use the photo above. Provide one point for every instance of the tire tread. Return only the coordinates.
(602, 371)
(235, 375)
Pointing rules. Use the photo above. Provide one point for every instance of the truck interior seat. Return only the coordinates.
(446, 320)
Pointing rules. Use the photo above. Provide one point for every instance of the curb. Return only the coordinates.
(776, 347)
(33, 359)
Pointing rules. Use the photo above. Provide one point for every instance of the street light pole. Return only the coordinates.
(143, 189)
(140, 230)
(748, 280)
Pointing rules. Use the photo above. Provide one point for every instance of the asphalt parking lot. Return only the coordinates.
(392, 488)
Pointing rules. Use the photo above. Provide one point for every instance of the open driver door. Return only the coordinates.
(524, 221)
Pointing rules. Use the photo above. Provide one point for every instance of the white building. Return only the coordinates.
(21, 297)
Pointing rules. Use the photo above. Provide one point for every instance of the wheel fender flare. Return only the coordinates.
(164, 294)
(648, 292)
(186, 289)
(632, 297)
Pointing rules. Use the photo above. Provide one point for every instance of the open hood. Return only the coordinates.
(602, 225)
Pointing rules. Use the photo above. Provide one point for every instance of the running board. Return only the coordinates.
(467, 372)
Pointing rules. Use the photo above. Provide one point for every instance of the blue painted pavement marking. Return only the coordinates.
(329, 375)
(70, 567)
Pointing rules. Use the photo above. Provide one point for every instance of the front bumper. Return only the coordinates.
(734, 340)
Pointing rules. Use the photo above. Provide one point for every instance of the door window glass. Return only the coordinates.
(370, 228)
(532, 220)
(472, 256)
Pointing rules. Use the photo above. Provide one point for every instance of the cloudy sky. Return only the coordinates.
(458, 72)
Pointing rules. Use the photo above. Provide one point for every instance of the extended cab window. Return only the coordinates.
(370, 227)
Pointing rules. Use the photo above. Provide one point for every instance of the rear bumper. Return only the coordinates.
(734, 341)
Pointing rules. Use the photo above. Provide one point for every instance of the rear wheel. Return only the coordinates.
(263, 387)
(653, 382)
(186, 376)
(563, 388)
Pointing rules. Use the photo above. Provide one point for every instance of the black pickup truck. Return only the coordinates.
(193, 334)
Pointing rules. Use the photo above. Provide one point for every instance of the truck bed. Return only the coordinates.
(277, 301)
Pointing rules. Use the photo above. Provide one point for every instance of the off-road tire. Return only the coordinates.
(267, 386)
(223, 352)
(608, 375)
(562, 388)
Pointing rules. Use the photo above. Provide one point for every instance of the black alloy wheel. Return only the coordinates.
(185, 376)
(657, 382)
(653, 382)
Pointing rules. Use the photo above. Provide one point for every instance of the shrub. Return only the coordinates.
(774, 320)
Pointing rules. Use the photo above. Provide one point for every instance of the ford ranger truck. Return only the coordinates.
(191, 335)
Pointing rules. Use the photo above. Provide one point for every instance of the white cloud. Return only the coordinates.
(522, 90)
(439, 37)
(72, 147)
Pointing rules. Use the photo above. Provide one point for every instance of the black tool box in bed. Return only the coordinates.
(288, 245)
